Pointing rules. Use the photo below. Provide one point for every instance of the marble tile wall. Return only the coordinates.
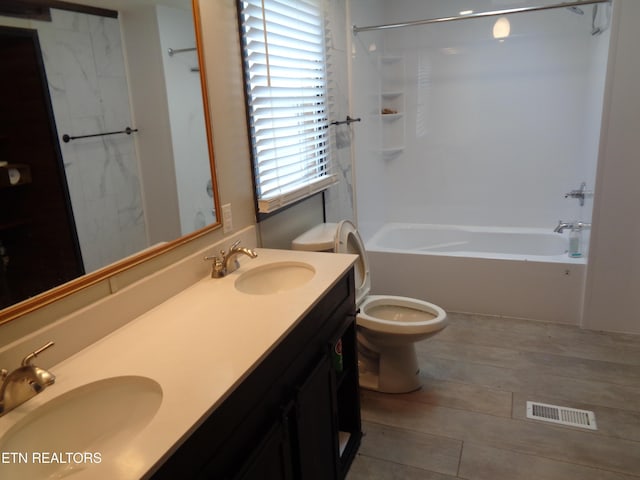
(85, 70)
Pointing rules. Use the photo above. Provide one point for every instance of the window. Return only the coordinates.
(285, 75)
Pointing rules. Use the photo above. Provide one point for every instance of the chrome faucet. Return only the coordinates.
(571, 225)
(227, 262)
(24, 382)
(562, 225)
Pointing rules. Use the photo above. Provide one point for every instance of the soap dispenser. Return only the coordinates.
(575, 241)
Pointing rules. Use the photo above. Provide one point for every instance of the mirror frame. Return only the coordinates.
(50, 296)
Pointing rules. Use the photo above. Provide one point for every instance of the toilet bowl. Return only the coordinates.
(388, 326)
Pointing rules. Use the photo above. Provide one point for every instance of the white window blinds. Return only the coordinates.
(285, 71)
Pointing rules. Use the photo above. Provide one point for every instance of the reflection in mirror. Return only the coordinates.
(105, 144)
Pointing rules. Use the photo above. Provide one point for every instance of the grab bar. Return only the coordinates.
(172, 51)
(348, 121)
(67, 138)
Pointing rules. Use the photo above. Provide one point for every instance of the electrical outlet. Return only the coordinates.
(227, 219)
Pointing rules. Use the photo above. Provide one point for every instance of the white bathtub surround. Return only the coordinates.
(515, 272)
(494, 133)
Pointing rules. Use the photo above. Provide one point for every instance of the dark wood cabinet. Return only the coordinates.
(296, 416)
(316, 437)
(347, 399)
(271, 458)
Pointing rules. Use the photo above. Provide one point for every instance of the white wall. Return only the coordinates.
(228, 114)
(493, 133)
(151, 116)
(371, 169)
(186, 114)
(339, 199)
(613, 275)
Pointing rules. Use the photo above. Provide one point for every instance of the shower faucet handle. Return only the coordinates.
(580, 193)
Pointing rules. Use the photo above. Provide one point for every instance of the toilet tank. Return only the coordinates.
(320, 238)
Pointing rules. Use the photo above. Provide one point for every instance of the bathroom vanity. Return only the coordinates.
(231, 378)
(296, 415)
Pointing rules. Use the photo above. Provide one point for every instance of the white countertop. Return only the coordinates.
(198, 345)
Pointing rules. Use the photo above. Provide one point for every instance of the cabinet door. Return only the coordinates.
(348, 397)
(271, 459)
(316, 424)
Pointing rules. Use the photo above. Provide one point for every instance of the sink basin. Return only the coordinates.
(82, 428)
(275, 278)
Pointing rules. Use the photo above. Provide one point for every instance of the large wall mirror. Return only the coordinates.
(106, 154)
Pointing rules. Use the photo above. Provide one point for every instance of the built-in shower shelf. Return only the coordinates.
(392, 101)
(392, 105)
(390, 117)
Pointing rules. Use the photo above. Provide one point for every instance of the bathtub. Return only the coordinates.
(514, 272)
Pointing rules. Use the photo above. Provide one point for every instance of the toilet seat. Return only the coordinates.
(411, 316)
(348, 240)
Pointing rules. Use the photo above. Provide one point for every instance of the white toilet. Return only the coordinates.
(388, 326)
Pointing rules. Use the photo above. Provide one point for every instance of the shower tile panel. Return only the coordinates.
(85, 69)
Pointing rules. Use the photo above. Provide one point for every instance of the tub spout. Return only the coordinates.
(562, 225)
(571, 225)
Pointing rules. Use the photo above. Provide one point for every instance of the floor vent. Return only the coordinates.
(562, 415)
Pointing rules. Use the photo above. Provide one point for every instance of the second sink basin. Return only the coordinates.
(99, 417)
(275, 277)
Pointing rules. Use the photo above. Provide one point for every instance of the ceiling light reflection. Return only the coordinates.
(501, 28)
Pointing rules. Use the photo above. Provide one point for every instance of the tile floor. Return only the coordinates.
(469, 420)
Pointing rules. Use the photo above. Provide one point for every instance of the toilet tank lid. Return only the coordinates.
(322, 237)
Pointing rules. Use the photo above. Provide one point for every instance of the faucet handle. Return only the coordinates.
(26, 361)
(217, 268)
(216, 259)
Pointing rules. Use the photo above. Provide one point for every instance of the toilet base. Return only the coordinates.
(388, 369)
